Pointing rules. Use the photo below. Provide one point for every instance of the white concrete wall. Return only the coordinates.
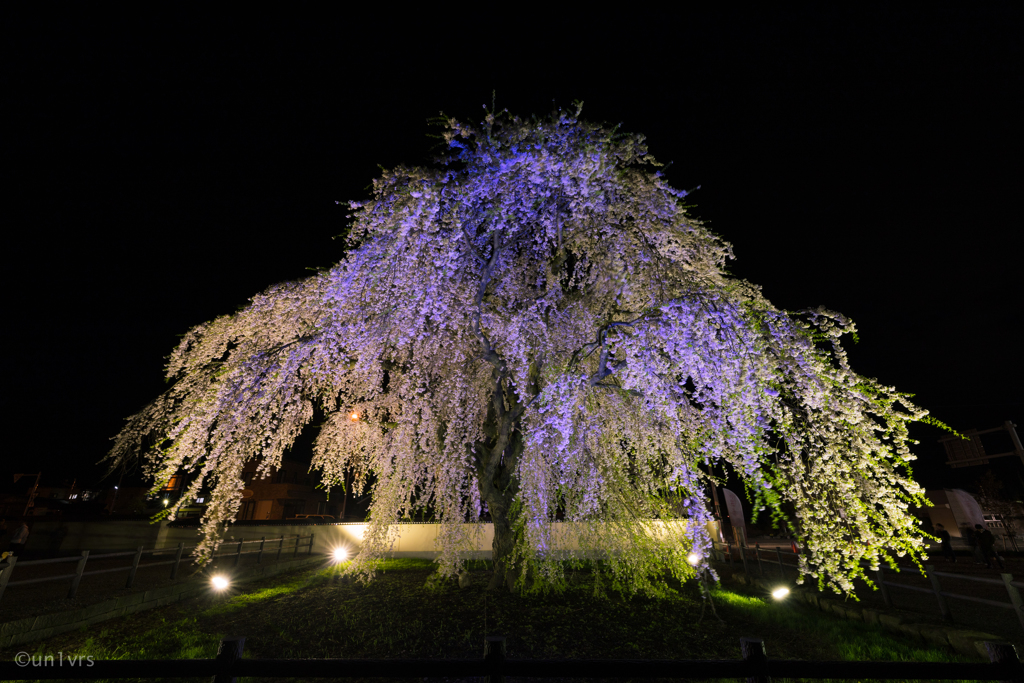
(413, 540)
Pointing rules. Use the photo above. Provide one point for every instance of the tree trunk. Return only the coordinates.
(496, 467)
(498, 504)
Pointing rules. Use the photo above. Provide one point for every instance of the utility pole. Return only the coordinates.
(718, 512)
(1009, 427)
(32, 495)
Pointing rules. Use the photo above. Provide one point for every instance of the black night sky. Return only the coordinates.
(165, 169)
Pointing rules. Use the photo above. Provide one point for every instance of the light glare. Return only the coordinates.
(340, 554)
(780, 593)
(693, 558)
(354, 416)
(220, 582)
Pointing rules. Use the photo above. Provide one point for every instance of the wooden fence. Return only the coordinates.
(736, 554)
(75, 578)
(755, 667)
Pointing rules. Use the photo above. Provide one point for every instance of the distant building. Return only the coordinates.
(288, 490)
(126, 500)
(954, 509)
(34, 495)
(998, 455)
(957, 511)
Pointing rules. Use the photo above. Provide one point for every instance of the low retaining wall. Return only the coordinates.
(46, 625)
(413, 539)
(964, 641)
(107, 536)
(96, 536)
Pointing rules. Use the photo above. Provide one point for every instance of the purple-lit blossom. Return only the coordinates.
(538, 324)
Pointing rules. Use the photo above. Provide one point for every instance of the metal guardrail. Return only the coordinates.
(725, 553)
(7, 567)
(755, 667)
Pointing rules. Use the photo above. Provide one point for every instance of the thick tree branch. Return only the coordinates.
(489, 354)
(600, 341)
(604, 370)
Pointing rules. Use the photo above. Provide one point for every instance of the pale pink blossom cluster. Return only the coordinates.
(537, 327)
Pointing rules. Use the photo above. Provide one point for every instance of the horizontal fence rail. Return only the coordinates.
(726, 552)
(755, 667)
(234, 549)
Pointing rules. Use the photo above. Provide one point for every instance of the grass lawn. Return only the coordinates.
(307, 615)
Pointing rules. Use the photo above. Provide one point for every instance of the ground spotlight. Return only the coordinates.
(220, 582)
(339, 554)
(693, 558)
(780, 593)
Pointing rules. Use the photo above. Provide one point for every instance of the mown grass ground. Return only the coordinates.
(308, 615)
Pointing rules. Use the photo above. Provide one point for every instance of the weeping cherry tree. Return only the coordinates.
(535, 331)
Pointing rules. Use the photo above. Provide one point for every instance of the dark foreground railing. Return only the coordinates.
(733, 553)
(235, 550)
(755, 667)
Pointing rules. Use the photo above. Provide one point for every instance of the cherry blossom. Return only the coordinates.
(535, 330)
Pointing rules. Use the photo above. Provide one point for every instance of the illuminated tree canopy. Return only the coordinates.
(536, 329)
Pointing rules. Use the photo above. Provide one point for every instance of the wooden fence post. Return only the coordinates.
(754, 652)
(238, 555)
(880, 580)
(296, 551)
(229, 651)
(757, 554)
(743, 556)
(135, 568)
(259, 557)
(78, 574)
(5, 575)
(494, 652)
(177, 560)
(310, 551)
(937, 589)
(280, 547)
(1006, 654)
(778, 554)
(1018, 606)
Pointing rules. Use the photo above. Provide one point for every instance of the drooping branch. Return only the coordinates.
(541, 327)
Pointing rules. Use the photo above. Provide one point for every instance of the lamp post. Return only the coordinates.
(113, 498)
